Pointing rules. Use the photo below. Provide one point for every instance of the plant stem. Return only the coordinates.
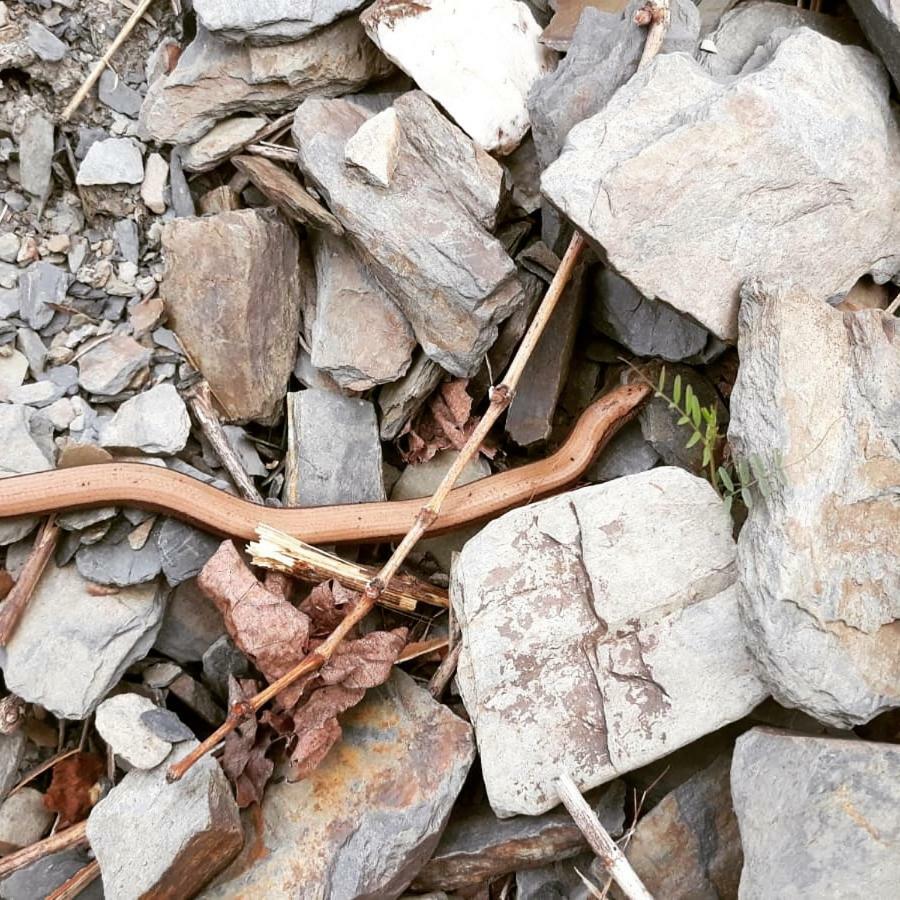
(501, 396)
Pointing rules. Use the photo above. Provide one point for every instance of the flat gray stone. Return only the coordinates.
(359, 337)
(166, 725)
(41, 285)
(12, 752)
(647, 327)
(640, 648)
(221, 661)
(112, 559)
(184, 550)
(818, 558)
(25, 441)
(44, 875)
(9, 244)
(153, 838)
(334, 454)
(23, 819)
(233, 288)
(191, 625)
(112, 161)
(628, 453)
(127, 237)
(118, 720)
(452, 279)
(482, 75)
(221, 141)
(365, 821)
(13, 369)
(400, 400)
(36, 155)
(271, 21)
(117, 95)
(72, 647)
(37, 394)
(45, 43)
(600, 60)
(881, 23)
(818, 816)
(735, 195)
(215, 78)
(109, 368)
(154, 422)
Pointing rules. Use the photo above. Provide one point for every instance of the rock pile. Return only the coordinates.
(285, 249)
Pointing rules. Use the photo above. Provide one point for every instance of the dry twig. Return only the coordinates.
(283, 553)
(73, 886)
(501, 396)
(75, 836)
(607, 850)
(199, 398)
(18, 598)
(656, 15)
(102, 63)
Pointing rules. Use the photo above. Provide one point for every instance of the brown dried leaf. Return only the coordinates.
(6, 583)
(445, 423)
(74, 787)
(327, 605)
(264, 625)
(244, 760)
(365, 662)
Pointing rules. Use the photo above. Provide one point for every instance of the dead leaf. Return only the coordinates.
(365, 662)
(245, 761)
(327, 605)
(445, 423)
(6, 583)
(263, 625)
(75, 787)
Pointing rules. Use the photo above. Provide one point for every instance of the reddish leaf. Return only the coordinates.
(366, 662)
(326, 606)
(74, 787)
(6, 583)
(263, 624)
(244, 760)
(445, 423)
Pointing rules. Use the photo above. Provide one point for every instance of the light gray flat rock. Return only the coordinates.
(41, 285)
(109, 368)
(640, 648)
(112, 161)
(118, 720)
(183, 550)
(221, 141)
(155, 422)
(191, 625)
(880, 21)
(36, 155)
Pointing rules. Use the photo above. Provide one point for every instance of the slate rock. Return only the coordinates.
(334, 454)
(645, 326)
(220, 142)
(112, 560)
(25, 441)
(640, 648)
(109, 368)
(221, 661)
(742, 31)
(184, 550)
(818, 816)
(41, 285)
(118, 720)
(477, 847)
(191, 624)
(232, 288)
(628, 453)
(215, 78)
(366, 820)
(881, 23)
(757, 190)
(128, 240)
(12, 752)
(45, 43)
(153, 838)
(817, 558)
(72, 647)
(443, 253)
(42, 877)
(359, 337)
(480, 76)
(9, 246)
(13, 369)
(688, 846)
(600, 60)
(112, 161)
(271, 21)
(153, 188)
(23, 819)
(117, 95)
(557, 881)
(155, 421)
(36, 155)
(166, 725)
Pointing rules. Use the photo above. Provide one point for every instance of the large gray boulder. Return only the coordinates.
(600, 631)
(818, 816)
(818, 557)
(687, 194)
(424, 233)
(215, 78)
(880, 20)
(270, 21)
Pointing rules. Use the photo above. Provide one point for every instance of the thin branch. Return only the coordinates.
(501, 396)
(199, 398)
(607, 850)
(74, 836)
(445, 670)
(894, 305)
(102, 63)
(284, 553)
(659, 24)
(17, 599)
(77, 883)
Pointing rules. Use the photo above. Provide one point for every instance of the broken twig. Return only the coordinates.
(74, 836)
(73, 886)
(607, 850)
(18, 598)
(501, 396)
(656, 15)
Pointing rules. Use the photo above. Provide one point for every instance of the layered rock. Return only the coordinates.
(817, 401)
(233, 293)
(452, 279)
(677, 177)
(639, 647)
(881, 23)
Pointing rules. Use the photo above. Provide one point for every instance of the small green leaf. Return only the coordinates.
(743, 472)
(757, 466)
(695, 412)
(707, 455)
(683, 420)
(747, 497)
(676, 390)
(729, 498)
(688, 397)
(726, 479)
(662, 380)
(695, 439)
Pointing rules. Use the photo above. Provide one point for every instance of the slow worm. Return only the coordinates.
(169, 492)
